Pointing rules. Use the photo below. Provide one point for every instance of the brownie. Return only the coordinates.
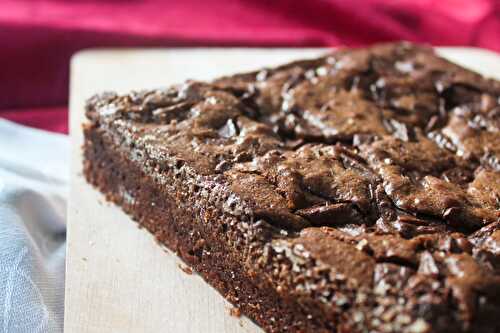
(355, 192)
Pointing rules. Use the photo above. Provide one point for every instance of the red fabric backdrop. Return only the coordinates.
(39, 37)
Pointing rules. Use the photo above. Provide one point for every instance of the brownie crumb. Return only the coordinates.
(235, 312)
(185, 269)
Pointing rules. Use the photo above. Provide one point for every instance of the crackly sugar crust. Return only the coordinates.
(363, 185)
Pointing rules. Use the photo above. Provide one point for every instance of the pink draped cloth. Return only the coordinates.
(39, 37)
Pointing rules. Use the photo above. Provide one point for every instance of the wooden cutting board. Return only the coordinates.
(117, 277)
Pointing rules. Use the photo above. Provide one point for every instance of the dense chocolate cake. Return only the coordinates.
(356, 192)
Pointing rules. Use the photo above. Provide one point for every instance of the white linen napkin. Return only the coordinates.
(34, 171)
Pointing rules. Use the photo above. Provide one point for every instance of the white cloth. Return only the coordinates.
(33, 189)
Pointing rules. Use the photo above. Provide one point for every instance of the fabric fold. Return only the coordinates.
(33, 190)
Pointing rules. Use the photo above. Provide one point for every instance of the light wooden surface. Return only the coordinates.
(117, 278)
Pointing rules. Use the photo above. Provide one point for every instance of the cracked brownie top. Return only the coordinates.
(380, 164)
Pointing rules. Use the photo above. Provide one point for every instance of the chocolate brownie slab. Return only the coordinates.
(356, 192)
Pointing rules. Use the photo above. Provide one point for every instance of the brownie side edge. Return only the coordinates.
(178, 228)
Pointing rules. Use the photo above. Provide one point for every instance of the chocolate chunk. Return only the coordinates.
(331, 214)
